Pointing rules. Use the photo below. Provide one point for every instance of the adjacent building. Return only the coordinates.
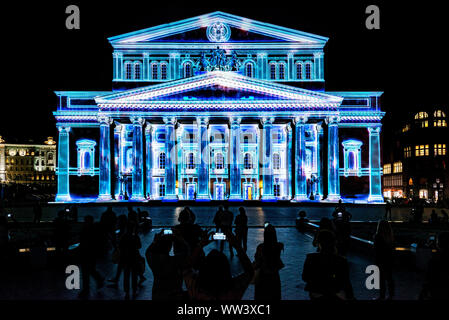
(416, 165)
(218, 107)
(28, 163)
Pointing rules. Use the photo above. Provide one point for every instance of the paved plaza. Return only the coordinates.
(48, 283)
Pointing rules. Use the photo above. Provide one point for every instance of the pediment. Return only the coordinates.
(218, 86)
(240, 29)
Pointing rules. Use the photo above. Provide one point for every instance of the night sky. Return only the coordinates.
(407, 58)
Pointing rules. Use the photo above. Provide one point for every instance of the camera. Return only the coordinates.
(219, 236)
(168, 232)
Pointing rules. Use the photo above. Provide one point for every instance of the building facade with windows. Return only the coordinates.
(218, 107)
(28, 163)
(417, 168)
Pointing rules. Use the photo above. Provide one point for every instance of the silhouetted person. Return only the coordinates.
(37, 210)
(267, 264)
(61, 234)
(214, 280)
(434, 217)
(217, 218)
(444, 218)
(189, 231)
(167, 270)
(388, 210)
(132, 215)
(145, 220)
(130, 257)
(326, 273)
(301, 221)
(342, 228)
(74, 212)
(89, 254)
(436, 286)
(325, 224)
(122, 222)
(384, 249)
(108, 222)
(241, 228)
(226, 226)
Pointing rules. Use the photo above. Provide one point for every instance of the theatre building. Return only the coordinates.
(218, 107)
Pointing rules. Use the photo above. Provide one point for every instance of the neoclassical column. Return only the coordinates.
(146, 66)
(117, 147)
(289, 133)
(375, 187)
(63, 190)
(105, 158)
(318, 63)
(234, 160)
(170, 160)
(149, 160)
(267, 156)
(300, 159)
(203, 159)
(262, 65)
(333, 159)
(291, 65)
(137, 172)
(319, 162)
(118, 65)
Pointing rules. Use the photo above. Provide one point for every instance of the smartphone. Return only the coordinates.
(219, 236)
(340, 214)
(67, 210)
(168, 232)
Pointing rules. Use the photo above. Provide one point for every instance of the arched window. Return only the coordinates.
(137, 70)
(86, 156)
(281, 71)
(154, 71)
(276, 161)
(422, 117)
(272, 71)
(439, 120)
(163, 71)
(308, 70)
(439, 114)
(190, 161)
(299, 70)
(249, 70)
(219, 161)
(128, 70)
(187, 70)
(248, 161)
(162, 160)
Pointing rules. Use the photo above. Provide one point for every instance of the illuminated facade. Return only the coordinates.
(218, 107)
(28, 163)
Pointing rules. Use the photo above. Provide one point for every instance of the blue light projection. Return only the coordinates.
(215, 124)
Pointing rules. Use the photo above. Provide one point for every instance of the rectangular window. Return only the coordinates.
(423, 194)
(422, 150)
(272, 71)
(407, 152)
(397, 167)
(277, 190)
(162, 190)
(439, 149)
(387, 168)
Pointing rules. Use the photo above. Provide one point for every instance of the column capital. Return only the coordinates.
(262, 54)
(174, 55)
(300, 120)
(318, 54)
(267, 121)
(235, 120)
(148, 128)
(137, 121)
(374, 130)
(146, 54)
(117, 54)
(332, 120)
(202, 120)
(104, 120)
(169, 120)
(64, 129)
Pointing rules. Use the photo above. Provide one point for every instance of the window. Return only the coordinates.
(277, 190)
(128, 70)
(163, 71)
(406, 128)
(421, 115)
(162, 160)
(439, 114)
(422, 150)
(439, 123)
(137, 70)
(299, 71)
(397, 167)
(190, 161)
(272, 71)
(407, 152)
(154, 71)
(281, 71)
(249, 70)
(423, 193)
(387, 168)
(308, 70)
(439, 149)
(187, 70)
(247, 138)
(219, 161)
(86, 155)
(162, 190)
(247, 162)
(276, 161)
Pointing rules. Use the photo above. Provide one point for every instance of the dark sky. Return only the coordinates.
(407, 58)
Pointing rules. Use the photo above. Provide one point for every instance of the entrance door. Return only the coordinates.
(248, 188)
(219, 191)
(191, 191)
